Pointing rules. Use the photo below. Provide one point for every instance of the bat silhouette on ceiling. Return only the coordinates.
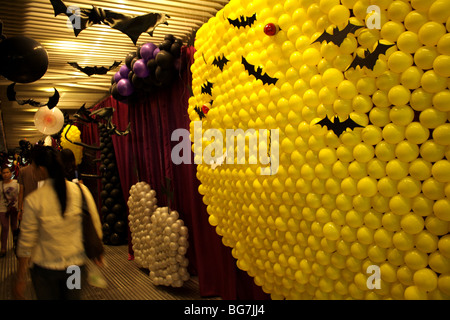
(132, 26)
(370, 58)
(95, 70)
(338, 36)
(51, 103)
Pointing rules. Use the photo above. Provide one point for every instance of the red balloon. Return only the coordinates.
(270, 29)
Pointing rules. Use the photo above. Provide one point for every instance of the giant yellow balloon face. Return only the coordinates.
(359, 204)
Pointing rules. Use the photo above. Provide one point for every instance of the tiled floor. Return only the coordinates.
(125, 280)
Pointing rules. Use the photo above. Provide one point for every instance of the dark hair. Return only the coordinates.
(50, 159)
(69, 163)
(6, 167)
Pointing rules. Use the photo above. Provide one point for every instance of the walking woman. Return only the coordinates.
(50, 239)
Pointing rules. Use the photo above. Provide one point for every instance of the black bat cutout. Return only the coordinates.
(220, 62)
(199, 112)
(257, 73)
(370, 58)
(207, 88)
(243, 21)
(338, 36)
(83, 114)
(51, 103)
(95, 70)
(337, 126)
(132, 26)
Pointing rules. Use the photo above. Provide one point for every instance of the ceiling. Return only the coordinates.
(98, 45)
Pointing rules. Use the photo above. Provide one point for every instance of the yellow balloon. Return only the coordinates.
(74, 135)
(357, 156)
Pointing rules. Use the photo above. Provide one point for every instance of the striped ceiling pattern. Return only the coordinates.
(98, 45)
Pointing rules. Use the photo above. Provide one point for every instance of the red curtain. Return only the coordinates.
(145, 155)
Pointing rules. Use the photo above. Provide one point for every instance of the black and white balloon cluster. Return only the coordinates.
(148, 68)
(159, 237)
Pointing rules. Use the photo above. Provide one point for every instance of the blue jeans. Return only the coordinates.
(52, 284)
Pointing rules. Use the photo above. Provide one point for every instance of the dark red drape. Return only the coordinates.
(145, 155)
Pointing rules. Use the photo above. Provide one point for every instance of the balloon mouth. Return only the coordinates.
(258, 73)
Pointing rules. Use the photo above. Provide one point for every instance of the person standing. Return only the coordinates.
(29, 179)
(50, 238)
(8, 207)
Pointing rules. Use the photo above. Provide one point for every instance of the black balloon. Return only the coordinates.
(115, 93)
(111, 219)
(129, 58)
(111, 166)
(104, 194)
(114, 238)
(164, 75)
(175, 50)
(151, 65)
(165, 45)
(137, 82)
(117, 209)
(164, 59)
(170, 37)
(106, 228)
(104, 210)
(22, 59)
(120, 226)
(109, 203)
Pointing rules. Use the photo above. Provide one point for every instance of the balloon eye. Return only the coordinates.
(270, 29)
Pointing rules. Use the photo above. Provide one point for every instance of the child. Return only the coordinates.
(9, 192)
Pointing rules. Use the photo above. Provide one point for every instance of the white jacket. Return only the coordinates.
(51, 240)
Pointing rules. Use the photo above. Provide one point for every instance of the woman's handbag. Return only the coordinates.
(93, 245)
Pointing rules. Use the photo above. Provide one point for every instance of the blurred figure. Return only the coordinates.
(70, 167)
(29, 178)
(8, 208)
(51, 232)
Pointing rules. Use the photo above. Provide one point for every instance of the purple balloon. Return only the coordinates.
(117, 76)
(147, 51)
(140, 68)
(124, 71)
(155, 52)
(125, 87)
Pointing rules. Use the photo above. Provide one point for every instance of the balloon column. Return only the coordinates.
(359, 205)
(160, 239)
(113, 204)
(148, 68)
